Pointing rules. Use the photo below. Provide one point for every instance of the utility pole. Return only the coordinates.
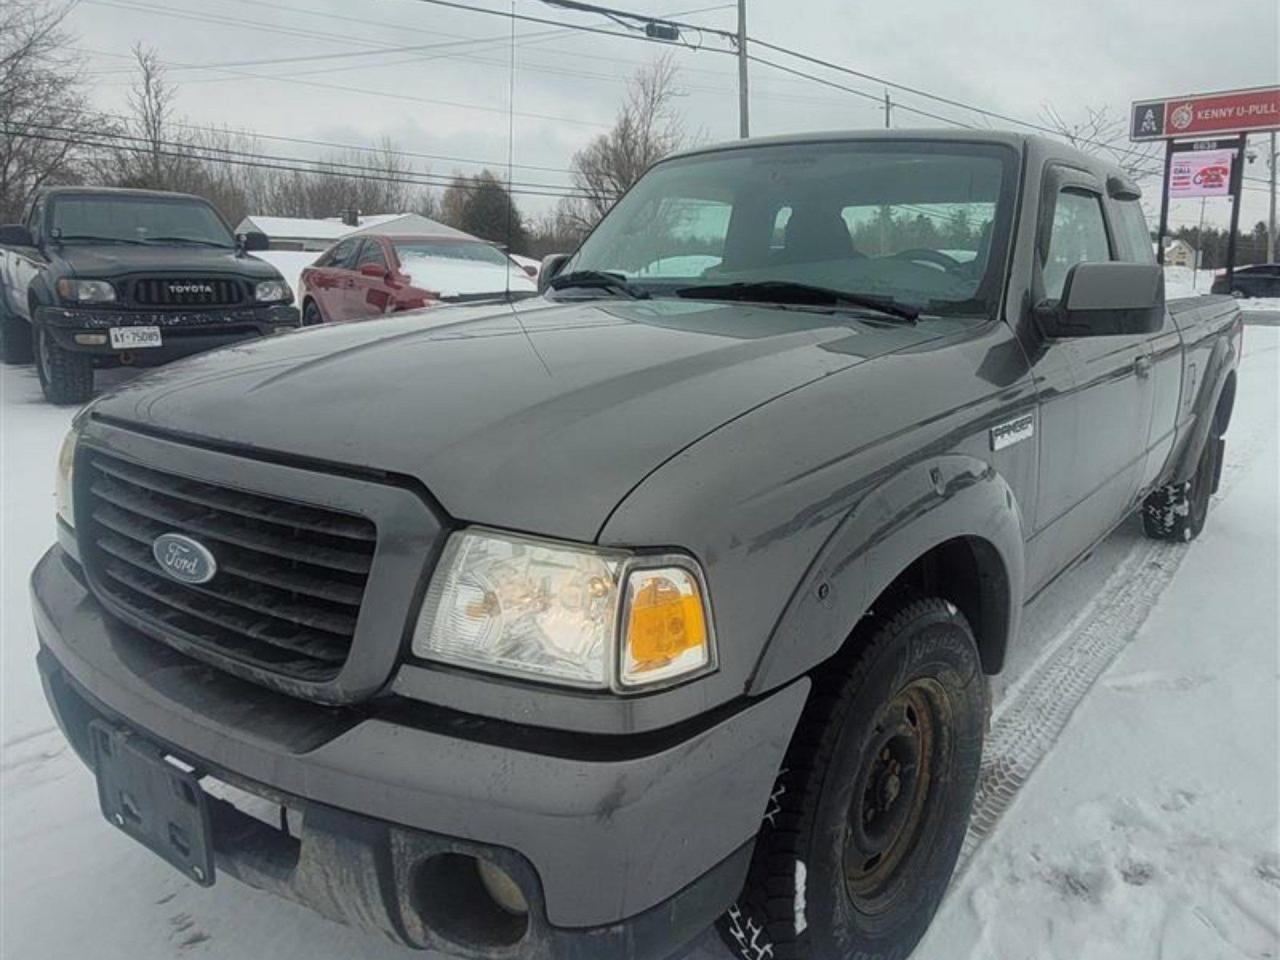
(744, 123)
(888, 110)
(1271, 219)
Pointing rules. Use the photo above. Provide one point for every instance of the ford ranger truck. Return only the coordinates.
(569, 627)
(97, 277)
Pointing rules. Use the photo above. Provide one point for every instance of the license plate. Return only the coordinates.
(160, 805)
(134, 338)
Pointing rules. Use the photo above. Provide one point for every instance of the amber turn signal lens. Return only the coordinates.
(666, 626)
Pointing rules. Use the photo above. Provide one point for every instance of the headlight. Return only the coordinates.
(272, 291)
(62, 496)
(551, 611)
(86, 291)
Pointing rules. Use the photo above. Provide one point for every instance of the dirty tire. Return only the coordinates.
(311, 316)
(15, 336)
(868, 816)
(1177, 511)
(65, 377)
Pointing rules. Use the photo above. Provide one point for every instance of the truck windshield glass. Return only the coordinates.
(135, 219)
(923, 225)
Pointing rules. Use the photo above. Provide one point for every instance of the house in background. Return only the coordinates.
(297, 233)
(1179, 253)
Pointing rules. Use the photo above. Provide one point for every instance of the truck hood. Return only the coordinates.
(538, 417)
(111, 260)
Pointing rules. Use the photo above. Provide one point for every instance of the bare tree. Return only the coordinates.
(1101, 133)
(44, 114)
(151, 100)
(647, 128)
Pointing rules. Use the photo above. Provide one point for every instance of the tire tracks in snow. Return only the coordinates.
(1038, 708)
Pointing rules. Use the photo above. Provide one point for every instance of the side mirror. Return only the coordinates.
(1106, 299)
(552, 264)
(373, 270)
(529, 270)
(16, 235)
(253, 240)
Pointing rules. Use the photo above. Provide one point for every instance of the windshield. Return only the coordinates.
(135, 219)
(921, 224)
(472, 252)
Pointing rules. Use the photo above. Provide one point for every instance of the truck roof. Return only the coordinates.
(1034, 145)
(116, 191)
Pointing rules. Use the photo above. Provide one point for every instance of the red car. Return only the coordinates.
(373, 275)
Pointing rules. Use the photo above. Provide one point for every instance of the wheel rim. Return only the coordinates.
(311, 315)
(888, 808)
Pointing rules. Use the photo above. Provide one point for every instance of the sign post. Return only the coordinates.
(1198, 167)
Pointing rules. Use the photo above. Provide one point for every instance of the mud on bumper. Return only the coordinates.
(619, 854)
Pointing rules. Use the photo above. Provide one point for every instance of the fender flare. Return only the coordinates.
(1220, 367)
(896, 523)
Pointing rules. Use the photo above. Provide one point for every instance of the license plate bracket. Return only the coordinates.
(135, 338)
(160, 805)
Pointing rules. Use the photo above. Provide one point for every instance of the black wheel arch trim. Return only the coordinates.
(926, 506)
(1219, 373)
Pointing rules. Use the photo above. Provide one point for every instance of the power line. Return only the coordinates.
(209, 154)
(307, 141)
(434, 101)
(453, 4)
(857, 93)
(916, 91)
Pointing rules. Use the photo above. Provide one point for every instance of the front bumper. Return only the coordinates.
(624, 847)
(183, 332)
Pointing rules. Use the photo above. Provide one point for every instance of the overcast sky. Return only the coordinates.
(1010, 56)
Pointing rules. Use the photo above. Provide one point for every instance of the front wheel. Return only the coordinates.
(65, 377)
(867, 819)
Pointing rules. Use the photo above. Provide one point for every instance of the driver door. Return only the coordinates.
(1094, 421)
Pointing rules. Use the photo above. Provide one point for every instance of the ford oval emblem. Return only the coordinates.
(184, 559)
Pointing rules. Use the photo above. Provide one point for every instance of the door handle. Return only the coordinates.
(1142, 366)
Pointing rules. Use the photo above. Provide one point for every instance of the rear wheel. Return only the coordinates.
(868, 816)
(1177, 511)
(65, 377)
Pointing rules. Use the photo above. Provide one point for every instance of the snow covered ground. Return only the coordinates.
(1128, 809)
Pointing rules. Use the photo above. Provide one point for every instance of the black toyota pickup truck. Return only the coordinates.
(564, 628)
(96, 277)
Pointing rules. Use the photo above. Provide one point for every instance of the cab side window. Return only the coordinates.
(1078, 235)
(1132, 232)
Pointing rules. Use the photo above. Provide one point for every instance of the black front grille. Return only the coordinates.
(290, 577)
(188, 292)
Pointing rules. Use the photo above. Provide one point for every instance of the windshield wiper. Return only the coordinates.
(206, 243)
(89, 238)
(800, 294)
(598, 280)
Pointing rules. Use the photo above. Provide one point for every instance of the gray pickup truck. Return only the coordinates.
(100, 277)
(569, 627)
